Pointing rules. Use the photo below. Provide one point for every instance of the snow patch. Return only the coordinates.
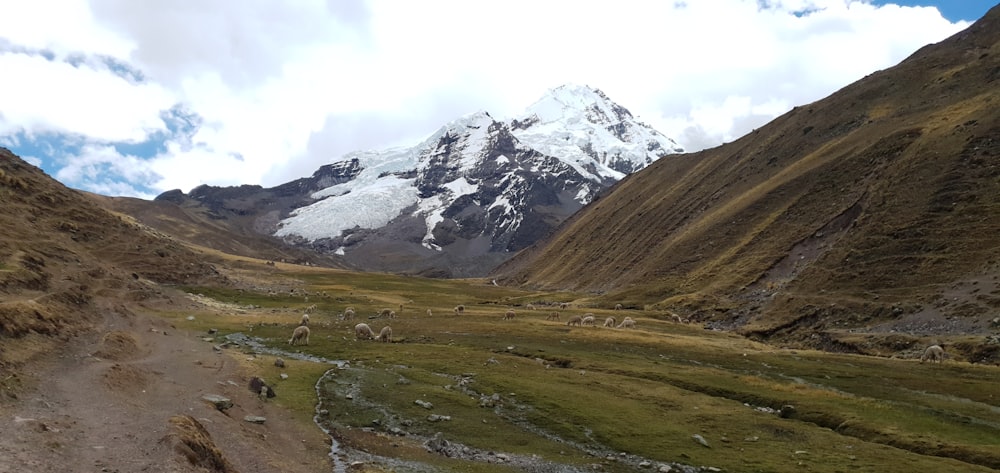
(371, 206)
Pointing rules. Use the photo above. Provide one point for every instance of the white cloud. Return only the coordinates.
(284, 87)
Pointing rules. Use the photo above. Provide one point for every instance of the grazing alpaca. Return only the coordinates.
(305, 319)
(385, 335)
(348, 313)
(429, 313)
(459, 309)
(618, 307)
(552, 316)
(610, 322)
(300, 336)
(362, 330)
(564, 305)
(588, 319)
(509, 315)
(627, 323)
(574, 320)
(530, 307)
(933, 353)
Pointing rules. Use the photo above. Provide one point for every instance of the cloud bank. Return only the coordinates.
(135, 98)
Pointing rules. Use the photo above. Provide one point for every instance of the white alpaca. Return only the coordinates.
(385, 335)
(618, 307)
(305, 319)
(552, 316)
(509, 315)
(933, 353)
(429, 313)
(610, 322)
(574, 320)
(588, 319)
(362, 330)
(348, 313)
(564, 305)
(627, 323)
(300, 336)
(529, 307)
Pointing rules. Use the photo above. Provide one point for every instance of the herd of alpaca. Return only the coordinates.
(362, 331)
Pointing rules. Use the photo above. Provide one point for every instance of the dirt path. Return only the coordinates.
(104, 406)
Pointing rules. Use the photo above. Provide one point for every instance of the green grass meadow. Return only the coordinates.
(586, 396)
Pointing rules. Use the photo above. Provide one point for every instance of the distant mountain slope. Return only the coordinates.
(879, 204)
(458, 203)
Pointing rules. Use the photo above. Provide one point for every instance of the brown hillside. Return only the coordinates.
(188, 221)
(64, 261)
(880, 203)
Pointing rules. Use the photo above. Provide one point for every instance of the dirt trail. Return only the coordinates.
(104, 405)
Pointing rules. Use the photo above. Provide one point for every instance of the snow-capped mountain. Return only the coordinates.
(456, 204)
(478, 188)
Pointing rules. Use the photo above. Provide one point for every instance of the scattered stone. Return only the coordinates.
(424, 404)
(190, 317)
(665, 469)
(255, 419)
(397, 431)
(349, 397)
(701, 440)
(751, 439)
(221, 402)
(283, 376)
(280, 363)
(645, 464)
(437, 418)
(208, 339)
(213, 331)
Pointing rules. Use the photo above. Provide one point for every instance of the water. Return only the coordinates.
(339, 466)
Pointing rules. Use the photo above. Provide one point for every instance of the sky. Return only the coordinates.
(129, 98)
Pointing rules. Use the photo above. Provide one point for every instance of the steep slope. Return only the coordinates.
(66, 262)
(878, 204)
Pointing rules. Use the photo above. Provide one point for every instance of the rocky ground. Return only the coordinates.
(129, 399)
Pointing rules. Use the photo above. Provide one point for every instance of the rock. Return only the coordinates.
(437, 418)
(665, 469)
(701, 440)
(424, 404)
(213, 331)
(255, 419)
(645, 464)
(283, 376)
(208, 339)
(280, 363)
(397, 431)
(437, 443)
(221, 402)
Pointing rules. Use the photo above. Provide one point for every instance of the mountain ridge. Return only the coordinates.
(455, 204)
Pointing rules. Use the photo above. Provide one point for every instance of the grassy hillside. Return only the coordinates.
(876, 204)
